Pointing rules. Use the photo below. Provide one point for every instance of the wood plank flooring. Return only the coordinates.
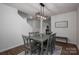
(67, 49)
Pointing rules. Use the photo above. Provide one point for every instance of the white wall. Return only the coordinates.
(78, 27)
(69, 32)
(12, 26)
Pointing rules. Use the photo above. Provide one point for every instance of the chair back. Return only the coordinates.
(52, 42)
(25, 40)
(54, 39)
(33, 33)
(33, 43)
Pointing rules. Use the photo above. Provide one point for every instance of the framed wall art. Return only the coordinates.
(61, 24)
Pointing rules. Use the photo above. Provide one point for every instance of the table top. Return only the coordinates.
(40, 38)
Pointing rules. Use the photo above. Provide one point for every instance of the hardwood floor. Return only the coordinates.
(13, 51)
(67, 49)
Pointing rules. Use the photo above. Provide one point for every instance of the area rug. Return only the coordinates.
(57, 51)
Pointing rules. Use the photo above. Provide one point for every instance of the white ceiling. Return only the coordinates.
(50, 8)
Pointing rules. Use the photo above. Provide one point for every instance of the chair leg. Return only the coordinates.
(39, 51)
(51, 52)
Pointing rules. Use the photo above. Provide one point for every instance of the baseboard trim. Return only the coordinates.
(66, 43)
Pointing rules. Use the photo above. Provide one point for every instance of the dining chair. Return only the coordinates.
(52, 43)
(45, 47)
(34, 47)
(30, 45)
(26, 43)
(54, 40)
(33, 34)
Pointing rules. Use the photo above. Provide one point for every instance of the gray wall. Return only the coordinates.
(12, 26)
(77, 27)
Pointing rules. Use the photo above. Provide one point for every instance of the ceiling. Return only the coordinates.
(49, 10)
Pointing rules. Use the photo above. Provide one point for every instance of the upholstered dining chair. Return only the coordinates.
(46, 47)
(34, 47)
(52, 42)
(26, 43)
(33, 34)
(31, 46)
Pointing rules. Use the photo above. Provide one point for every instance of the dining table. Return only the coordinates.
(40, 38)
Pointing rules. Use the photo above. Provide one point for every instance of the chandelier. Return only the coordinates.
(41, 14)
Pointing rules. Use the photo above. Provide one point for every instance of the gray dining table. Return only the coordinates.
(40, 38)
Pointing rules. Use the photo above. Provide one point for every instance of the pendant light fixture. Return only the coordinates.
(41, 14)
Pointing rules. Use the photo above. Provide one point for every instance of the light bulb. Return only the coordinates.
(41, 16)
(38, 15)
